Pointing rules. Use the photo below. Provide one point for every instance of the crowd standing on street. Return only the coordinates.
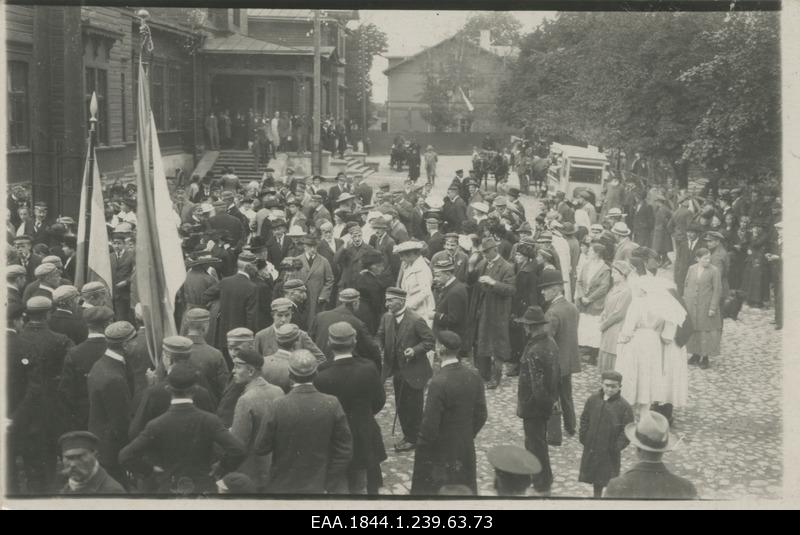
(301, 302)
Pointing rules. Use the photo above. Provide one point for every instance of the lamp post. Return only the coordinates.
(316, 156)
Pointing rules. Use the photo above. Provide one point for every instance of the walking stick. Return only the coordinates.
(396, 408)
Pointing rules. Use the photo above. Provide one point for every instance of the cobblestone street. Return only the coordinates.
(731, 431)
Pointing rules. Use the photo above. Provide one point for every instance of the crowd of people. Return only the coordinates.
(301, 302)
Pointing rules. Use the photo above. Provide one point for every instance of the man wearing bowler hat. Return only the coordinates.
(625, 246)
(563, 318)
(537, 391)
(177, 449)
(406, 340)
(110, 391)
(308, 436)
(317, 276)
(357, 385)
(455, 412)
(85, 475)
(491, 279)
(650, 478)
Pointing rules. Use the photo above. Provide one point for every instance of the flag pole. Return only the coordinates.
(90, 179)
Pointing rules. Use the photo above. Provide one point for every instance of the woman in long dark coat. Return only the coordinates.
(527, 294)
(755, 280)
(602, 434)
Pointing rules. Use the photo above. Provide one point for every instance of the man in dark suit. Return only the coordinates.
(455, 412)
(85, 475)
(27, 258)
(348, 258)
(563, 318)
(349, 301)
(357, 385)
(461, 184)
(37, 226)
(371, 284)
(278, 245)
(178, 447)
(362, 190)
(110, 390)
(406, 340)
(233, 210)
(69, 247)
(385, 244)
(435, 239)
(452, 301)
(644, 221)
(238, 297)
(650, 478)
(336, 191)
(225, 222)
(454, 211)
(72, 388)
(23, 406)
(65, 318)
(122, 262)
(308, 436)
(328, 247)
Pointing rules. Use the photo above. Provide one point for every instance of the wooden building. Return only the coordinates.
(203, 59)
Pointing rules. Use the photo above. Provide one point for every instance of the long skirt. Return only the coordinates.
(639, 362)
(675, 377)
(589, 330)
(705, 343)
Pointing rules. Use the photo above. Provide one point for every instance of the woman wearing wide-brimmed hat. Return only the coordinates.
(614, 309)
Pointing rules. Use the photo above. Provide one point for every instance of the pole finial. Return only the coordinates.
(93, 106)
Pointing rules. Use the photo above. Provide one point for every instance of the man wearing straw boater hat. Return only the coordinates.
(650, 478)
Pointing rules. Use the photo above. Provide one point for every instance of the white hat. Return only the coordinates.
(621, 229)
(481, 207)
(406, 246)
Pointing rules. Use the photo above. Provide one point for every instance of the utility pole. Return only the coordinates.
(364, 93)
(90, 181)
(316, 156)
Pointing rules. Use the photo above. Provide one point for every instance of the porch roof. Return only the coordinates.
(237, 43)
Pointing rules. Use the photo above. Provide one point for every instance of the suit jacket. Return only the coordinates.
(310, 441)
(330, 253)
(650, 481)
(30, 265)
(373, 298)
(28, 227)
(211, 364)
(364, 192)
(276, 252)
(435, 244)
(563, 318)
(195, 285)
(348, 261)
(452, 304)
(596, 292)
(679, 223)
(73, 388)
(490, 306)
(69, 269)
(318, 278)
(109, 407)
(68, 323)
(455, 412)
(267, 344)
(121, 271)
(181, 441)
(539, 378)
(454, 213)
(412, 332)
(357, 385)
(23, 385)
(238, 303)
(100, 484)
(365, 345)
(155, 401)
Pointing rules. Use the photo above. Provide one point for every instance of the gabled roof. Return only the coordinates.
(497, 51)
(300, 14)
(237, 43)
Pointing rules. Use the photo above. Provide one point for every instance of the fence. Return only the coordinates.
(380, 143)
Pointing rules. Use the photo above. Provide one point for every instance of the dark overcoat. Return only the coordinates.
(563, 318)
(602, 433)
(412, 332)
(72, 389)
(455, 412)
(366, 347)
(68, 323)
(650, 480)
(490, 307)
(537, 390)
(109, 407)
(238, 303)
(452, 305)
(156, 401)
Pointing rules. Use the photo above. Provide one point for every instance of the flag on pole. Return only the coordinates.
(159, 261)
(469, 105)
(98, 266)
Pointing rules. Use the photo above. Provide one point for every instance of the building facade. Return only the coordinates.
(407, 77)
(204, 59)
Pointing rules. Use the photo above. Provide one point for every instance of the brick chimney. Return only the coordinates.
(486, 39)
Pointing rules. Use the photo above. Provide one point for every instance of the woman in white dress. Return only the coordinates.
(649, 372)
(593, 284)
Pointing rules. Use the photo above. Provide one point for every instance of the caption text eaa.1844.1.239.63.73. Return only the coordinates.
(402, 521)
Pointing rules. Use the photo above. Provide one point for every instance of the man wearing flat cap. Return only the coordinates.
(198, 280)
(602, 435)
(650, 478)
(491, 279)
(65, 319)
(537, 391)
(308, 436)
(122, 264)
(48, 278)
(455, 412)
(266, 339)
(52, 348)
(72, 388)
(405, 339)
(317, 275)
(27, 258)
(348, 258)
(238, 297)
(208, 359)
(86, 477)
(177, 449)
(297, 293)
(385, 244)
(357, 384)
(346, 311)
(251, 410)
(110, 390)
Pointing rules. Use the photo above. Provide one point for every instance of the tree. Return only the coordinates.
(504, 26)
(364, 43)
(448, 72)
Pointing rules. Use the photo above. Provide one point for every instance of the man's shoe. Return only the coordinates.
(404, 445)
(704, 365)
(570, 432)
(492, 385)
(694, 360)
(512, 370)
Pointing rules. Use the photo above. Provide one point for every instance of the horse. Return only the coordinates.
(399, 155)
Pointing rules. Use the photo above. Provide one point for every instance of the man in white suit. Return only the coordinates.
(416, 278)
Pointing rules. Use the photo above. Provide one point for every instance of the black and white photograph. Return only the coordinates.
(259, 253)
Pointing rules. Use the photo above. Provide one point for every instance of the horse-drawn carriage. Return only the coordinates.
(490, 162)
(401, 150)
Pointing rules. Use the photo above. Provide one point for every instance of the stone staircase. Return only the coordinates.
(243, 163)
(357, 165)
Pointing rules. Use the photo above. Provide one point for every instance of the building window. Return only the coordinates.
(237, 17)
(465, 125)
(165, 97)
(97, 82)
(18, 123)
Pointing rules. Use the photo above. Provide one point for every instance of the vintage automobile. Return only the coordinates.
(575, 167)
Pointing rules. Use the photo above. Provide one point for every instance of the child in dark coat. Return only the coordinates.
(602, 433)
